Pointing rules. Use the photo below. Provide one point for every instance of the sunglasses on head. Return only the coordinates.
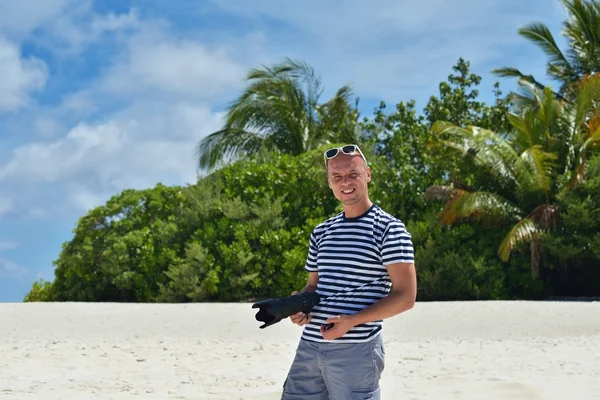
(349, 149)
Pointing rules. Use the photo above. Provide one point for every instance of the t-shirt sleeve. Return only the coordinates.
(311, 260)
(397, 245)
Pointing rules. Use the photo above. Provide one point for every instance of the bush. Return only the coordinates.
(460, 262)
(40, 291)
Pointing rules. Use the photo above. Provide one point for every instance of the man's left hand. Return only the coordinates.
(341, 325)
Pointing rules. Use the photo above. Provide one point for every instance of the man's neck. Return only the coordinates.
(357, 209)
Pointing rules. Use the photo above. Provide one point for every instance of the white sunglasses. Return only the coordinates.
(349, 149)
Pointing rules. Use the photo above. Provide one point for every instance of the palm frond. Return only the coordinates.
(462, 204)
(510, 72)
(449, 213)
(522, 232)
(486, 206)
(440, 192)
(582, 120)
(337, 120)
(581, 30)
(225, 144)
(534, 170)
(485, 147)
(525, 126)
(524, 82)
(309, 87)
(587, 96)
(530, 97)
(593, 140)
(285, 69)
(549, 113)
(539, 34)
(271, 107)
(576, 178)
(538, 120)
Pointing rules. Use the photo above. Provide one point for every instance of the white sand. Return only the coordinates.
(478, 350)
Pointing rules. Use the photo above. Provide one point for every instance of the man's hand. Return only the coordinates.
(341, 325)
(300, 318)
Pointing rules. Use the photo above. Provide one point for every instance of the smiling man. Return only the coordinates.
(361, 263)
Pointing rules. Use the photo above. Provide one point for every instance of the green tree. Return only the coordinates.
(119, 250)
(280, 111)
(41, 290)
(527, 168)
(582, 57)
(459, 262)
(575, 244)
(402, 138)
(237, 234)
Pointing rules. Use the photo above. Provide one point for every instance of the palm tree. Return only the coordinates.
(528, 168)
(280, 111)
(581, 59)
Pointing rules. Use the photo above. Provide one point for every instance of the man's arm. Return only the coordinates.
(311, 284)
(400, 299)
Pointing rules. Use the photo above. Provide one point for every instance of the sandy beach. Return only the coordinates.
(457, 350)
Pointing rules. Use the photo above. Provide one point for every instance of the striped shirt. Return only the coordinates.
(351, 255)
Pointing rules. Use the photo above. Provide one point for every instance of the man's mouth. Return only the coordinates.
(347, 191)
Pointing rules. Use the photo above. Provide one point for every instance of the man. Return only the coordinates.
(354, 259)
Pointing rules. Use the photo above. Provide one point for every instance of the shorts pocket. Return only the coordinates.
(366, 394)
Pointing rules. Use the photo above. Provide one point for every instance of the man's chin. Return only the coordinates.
(349, 202)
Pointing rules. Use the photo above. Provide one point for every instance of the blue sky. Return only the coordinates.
(99, 96)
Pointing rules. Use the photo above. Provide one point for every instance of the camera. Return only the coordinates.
(272, 311)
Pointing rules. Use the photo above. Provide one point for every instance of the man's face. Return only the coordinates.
(348, 176)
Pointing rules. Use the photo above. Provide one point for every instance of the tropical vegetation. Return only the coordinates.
(500, 199)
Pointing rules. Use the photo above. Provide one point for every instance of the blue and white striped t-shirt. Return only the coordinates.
(351, 255)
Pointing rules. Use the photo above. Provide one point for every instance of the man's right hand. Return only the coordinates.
(300, 318)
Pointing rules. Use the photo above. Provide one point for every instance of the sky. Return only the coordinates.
(101, 96)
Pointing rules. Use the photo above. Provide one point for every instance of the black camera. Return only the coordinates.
(274, 310)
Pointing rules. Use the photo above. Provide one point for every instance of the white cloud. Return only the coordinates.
(71, 31)
(20, 76)
(350, 25)
(62, 159)
(155, 62)
(148, 143)
(401, 48)
(115, 22)
(79, 102)
(133, 126)
(47, 127)
(23, 16)
(64, 27)
(11, 268)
